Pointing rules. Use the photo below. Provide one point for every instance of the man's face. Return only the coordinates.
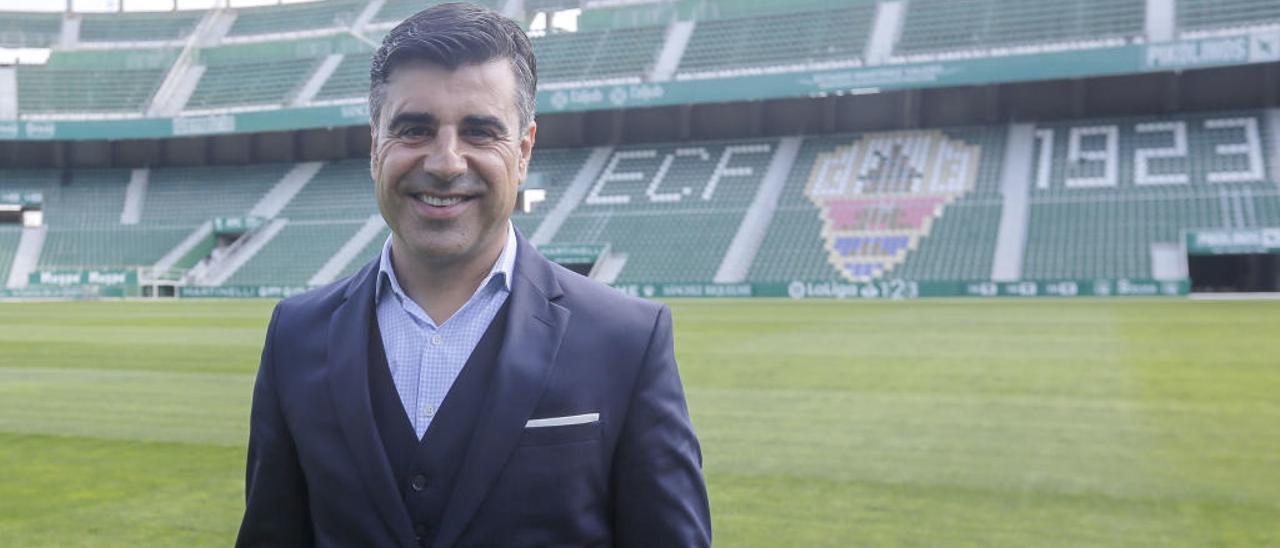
(447, 159)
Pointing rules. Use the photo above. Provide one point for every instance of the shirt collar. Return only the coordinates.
(502, 268)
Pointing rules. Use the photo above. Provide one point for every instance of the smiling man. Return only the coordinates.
(461, 390)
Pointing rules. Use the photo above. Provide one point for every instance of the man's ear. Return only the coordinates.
(526, 149)
(373, 149)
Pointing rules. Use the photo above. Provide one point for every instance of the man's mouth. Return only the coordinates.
(440, 201)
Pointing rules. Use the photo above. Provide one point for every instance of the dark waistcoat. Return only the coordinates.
(425, 469)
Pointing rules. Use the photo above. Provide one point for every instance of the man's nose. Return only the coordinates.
(443, 159)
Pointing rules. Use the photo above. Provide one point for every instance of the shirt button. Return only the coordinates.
(437, 340)
(428, 410)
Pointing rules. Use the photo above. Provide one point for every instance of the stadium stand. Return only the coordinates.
(723, 47)
(107, 248)
(9, 236)
(368, 253)
(672, 209)
(341, 191)
(1219, 14)
(349, 80)
(920, 204)
(933, 235)
(82, 199)
(186, 197)
(396, 10)
(333, 205)
(44, 90)
(586, 56)
(550, 170)
(295, 254)
(945, 25)
(250, 83)
(138, 27)
(29, 30)
(295, 17)
(82, 209)
(1107, 189)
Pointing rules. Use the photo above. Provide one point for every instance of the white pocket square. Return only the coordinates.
(563, 421)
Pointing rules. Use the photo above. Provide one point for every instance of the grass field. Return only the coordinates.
(959, 423)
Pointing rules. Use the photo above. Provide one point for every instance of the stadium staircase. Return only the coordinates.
(284, 191)
(317, 79)
(367, 14)
(1015, 186)
(545, 231)
(885, 31)
(189, 252)
(135, 196)
(1273, 122)
(183, 77)
(340, 261)
(1161, 20)
(746, 243)
(26, 256)
(69, 32)
(673, 46)
(10, 236)
(226, 262)
(8, 93)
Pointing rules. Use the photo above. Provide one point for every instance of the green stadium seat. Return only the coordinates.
(341, 191)
(397, 10)
(252, 83)
(723, 47)
(349, 80)
(600, 55)
(82, 199)
(934, 26)
(138, 27)
(308, 16)
(187, 197)
(1225, 14)
(118, 247)
(44, 90)
(29, 30)
(295, 254)
(10, 235)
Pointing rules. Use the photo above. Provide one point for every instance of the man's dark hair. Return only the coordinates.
(455, 35)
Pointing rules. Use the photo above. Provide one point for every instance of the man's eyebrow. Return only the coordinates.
(403, 118)
(484, 120)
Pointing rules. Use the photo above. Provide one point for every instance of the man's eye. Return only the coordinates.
(478, 133)
(415, 132)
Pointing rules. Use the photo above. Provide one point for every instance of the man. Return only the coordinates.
(461, 390)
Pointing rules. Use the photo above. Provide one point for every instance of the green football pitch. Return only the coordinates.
(1011, 423)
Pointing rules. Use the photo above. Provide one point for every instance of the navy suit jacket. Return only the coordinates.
(317, 473)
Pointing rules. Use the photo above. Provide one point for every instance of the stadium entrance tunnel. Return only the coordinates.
(1235, 273)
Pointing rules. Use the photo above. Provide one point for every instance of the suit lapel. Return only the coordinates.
(348, 353)
(535, 326)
